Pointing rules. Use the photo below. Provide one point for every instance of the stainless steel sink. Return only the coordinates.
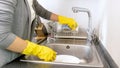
(84, 52)
(70, 43)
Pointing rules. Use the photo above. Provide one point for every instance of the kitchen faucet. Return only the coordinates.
(89, 30)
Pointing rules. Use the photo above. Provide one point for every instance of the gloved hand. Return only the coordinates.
(40, 51)
(68, 21)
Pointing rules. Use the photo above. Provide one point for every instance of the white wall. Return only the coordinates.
(113, 29)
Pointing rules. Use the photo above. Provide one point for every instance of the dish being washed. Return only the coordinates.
(68, 59)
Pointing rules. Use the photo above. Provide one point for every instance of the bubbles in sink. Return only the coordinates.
(68, 59)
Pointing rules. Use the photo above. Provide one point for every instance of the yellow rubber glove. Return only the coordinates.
(68, 21)
(40, 51)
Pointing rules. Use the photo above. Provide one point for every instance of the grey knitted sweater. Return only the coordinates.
(15, 21)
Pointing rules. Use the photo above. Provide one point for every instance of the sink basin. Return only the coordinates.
(83, 52)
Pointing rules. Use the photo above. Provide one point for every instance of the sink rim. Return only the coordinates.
(58, 63)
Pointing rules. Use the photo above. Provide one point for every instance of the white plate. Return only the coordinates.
(68, 59)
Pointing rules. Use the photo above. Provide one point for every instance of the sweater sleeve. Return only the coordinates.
(41, 11)
(7, 8)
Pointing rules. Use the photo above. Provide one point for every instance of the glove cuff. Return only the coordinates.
(62, 19)
(30, 48)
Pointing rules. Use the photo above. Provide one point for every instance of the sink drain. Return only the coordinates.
(67, 47)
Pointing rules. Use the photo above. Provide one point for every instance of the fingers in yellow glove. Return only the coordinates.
(40, 51)
(68, 21)
(47, 56)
